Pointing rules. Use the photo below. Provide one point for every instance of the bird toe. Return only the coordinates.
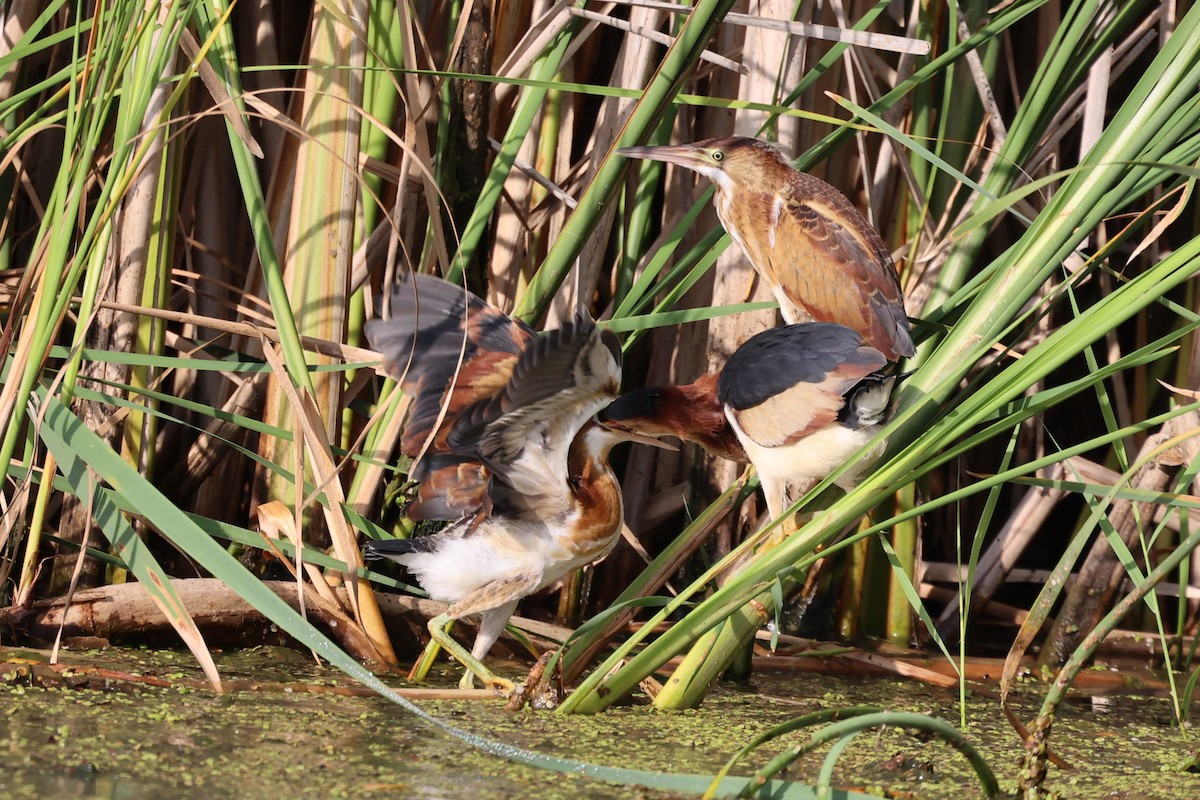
(502, 686)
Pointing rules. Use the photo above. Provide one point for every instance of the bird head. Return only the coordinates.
(640, 410)
(603, 434)
(729, 162)
(690, 412)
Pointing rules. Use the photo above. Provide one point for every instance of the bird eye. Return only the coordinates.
(718, 156)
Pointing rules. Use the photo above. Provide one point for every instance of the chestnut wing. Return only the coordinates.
(525, 430)
(450, 351)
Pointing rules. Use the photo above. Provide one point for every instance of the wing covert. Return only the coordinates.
(450, 351)
(846, 274)
(560, 381)
(786, 382)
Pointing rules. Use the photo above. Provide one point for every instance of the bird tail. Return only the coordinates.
(396, 549)
(867, 402)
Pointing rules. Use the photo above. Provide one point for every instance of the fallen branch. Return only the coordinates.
(125, 610)
(17, 667)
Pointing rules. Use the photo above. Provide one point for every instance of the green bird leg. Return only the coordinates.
(495, 603)
(421, 668)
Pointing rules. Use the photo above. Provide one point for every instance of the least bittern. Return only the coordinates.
(821, 258)
(796, 401)
(503, 422)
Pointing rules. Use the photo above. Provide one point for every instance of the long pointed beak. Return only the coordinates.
(684, 155)
(626, 435)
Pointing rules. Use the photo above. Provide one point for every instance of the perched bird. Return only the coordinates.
(796, 401)
(821, 258)
(502, 424)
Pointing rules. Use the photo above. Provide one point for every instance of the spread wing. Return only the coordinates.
(510, 401)
(452, 487)
(445, 345)
(825, 262)
(449, 349)
(787, 382)
(525, 430)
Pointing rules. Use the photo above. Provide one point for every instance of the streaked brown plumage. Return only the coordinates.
(798, 400)
(820, 256)
(502, 424)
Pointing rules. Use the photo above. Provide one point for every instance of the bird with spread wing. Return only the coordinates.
(502, 427)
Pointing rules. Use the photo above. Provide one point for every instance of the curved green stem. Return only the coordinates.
(808, 720)
(898, 719)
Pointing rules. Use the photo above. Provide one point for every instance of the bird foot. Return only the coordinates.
(501, 686)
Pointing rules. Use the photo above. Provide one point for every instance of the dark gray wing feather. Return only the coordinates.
(777, 359)
(546, 370)
(525, 431)
(428, 323)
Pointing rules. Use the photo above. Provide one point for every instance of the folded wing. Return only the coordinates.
(786, 382)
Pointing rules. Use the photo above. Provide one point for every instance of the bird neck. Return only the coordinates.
(749, 214)
(698, 416)
(594, 487)
(700, 398)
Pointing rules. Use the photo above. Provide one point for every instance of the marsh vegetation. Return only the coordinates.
(206, 201)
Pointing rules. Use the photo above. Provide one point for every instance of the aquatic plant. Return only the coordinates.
(198, 226)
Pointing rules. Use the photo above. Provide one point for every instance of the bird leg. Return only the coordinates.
(420, 669)
(441, 638)
(775, 492)
(495, 602)
(491, 625)
(781, 493)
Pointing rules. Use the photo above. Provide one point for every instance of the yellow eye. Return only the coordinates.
(718, 156)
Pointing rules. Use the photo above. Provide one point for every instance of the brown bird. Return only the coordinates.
(512, 454)
(796, 401)
(821, 258)
(690, 412)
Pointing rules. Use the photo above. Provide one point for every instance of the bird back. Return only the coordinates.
(778, 359)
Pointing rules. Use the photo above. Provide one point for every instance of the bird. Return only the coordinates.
(796, 401)
(690, 412)
(502, 427)
(820, 257)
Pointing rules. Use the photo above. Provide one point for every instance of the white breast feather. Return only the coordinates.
(814, 456)
(718, 176)
(773, 219)
(498, 549)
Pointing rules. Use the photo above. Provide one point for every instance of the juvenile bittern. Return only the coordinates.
(821, 258)
(796, 401)
(512, 454)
